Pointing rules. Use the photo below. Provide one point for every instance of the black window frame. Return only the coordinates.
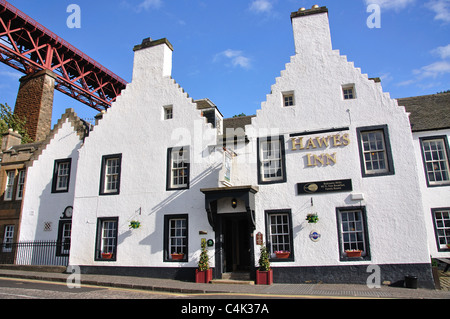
(283, 159)
(342, 254)
(268, 214)
(98, 239)
(55, 175)
(169, 185)
(387, 145)
(447, 150)
(105, 158)
(167, 219)
(433, 218)
(60, 243)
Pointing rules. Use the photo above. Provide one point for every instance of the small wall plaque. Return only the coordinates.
(314, 235)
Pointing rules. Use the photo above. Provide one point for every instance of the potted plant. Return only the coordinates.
(448, 246)
(134, 224)
(264, 275)
(177, 256)
(203, 274)
(106, 255)
(353, 253)
(312, 218)
(282, 254)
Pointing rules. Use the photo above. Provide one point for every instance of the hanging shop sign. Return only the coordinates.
(259, 239)
(342, 185)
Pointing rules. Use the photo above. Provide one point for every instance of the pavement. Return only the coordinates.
(318, 290)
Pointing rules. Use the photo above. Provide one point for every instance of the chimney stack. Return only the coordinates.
(311, 30)
(10, 138)
(152, 58)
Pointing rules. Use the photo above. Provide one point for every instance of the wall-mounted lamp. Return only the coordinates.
(234, 203)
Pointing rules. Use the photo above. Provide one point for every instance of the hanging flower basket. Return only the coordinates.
(134, 224)
(282, 254)
(312, 218)
(106, 255)
(176, 256)
(353, 253)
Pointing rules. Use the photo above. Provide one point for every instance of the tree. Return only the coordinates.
(240, 115)
(10, 120)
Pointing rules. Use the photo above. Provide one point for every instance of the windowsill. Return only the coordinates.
(437, 185)
(281, 260)
(109, 193)
(362, 258)
(176, 188)
(378, 174)
(272, 182)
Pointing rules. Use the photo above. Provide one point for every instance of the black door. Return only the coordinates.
(236, 243)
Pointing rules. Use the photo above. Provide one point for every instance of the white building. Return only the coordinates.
(327, 141)
(430, 123)
(49, 190)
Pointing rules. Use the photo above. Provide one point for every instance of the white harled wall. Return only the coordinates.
(134, 127)
(396, 227)
(434, 196)
(40, 205)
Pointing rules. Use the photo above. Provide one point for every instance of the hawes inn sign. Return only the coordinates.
(300, 143)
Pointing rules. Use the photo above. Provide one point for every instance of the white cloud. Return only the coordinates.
(149, 4)
(236, 58)
(441, 8)
(391, 4)
(13, 75)
(433, 70)
(261, 6)
(443, 52)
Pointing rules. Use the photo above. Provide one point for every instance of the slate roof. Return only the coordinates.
(237, 122)
(428, 112)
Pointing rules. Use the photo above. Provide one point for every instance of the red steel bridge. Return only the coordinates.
(29, 47)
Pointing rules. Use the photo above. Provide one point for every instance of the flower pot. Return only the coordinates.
(203, 277)
(353, 253)
(448, 246)
(106, 255)
(264, 277)
(282, 255)
(177, 256)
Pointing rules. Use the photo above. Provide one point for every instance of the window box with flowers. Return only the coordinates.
(282, 254)
(177, 256)
(353, 253)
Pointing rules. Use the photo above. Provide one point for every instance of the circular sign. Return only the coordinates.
(314, 236)
(210, 242)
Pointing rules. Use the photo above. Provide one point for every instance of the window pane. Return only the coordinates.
(436, 161)
(178, 236)
(374, 152)
(279, 232)
(352, 230)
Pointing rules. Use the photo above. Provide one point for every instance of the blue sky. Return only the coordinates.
(232, 51)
